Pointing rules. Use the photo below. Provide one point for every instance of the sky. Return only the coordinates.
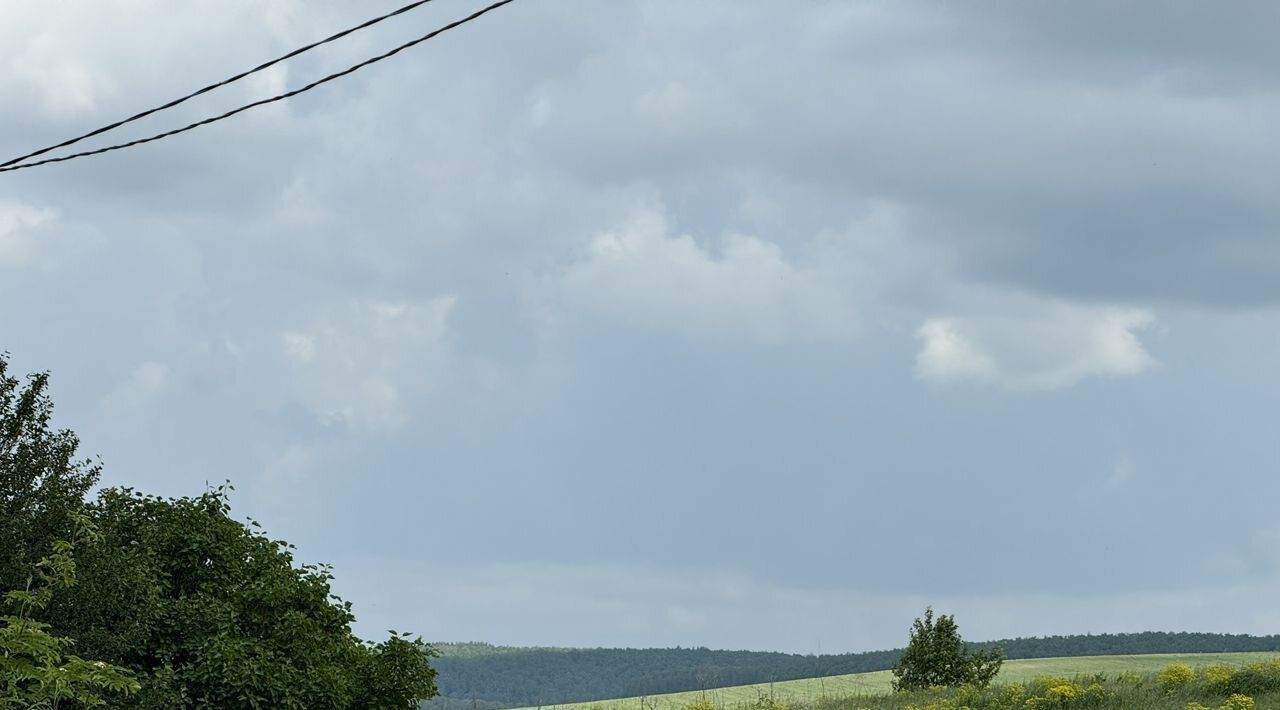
(732, 323)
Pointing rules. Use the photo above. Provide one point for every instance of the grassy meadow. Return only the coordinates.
(873, 690)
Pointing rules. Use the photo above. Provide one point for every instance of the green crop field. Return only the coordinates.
(878, 682)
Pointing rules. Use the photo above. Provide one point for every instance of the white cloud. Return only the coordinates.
(291, 465)
(745, 288)
(58, 62)
(63, 84)
(1054, 348)
(361, 364)
(18, 222)
(145, 383)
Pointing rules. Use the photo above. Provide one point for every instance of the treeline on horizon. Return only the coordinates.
(478, 676)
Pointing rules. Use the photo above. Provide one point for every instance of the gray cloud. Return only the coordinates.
(548, 604)
(419, 315)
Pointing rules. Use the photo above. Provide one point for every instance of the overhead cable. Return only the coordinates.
(224, 82)
(10, 166)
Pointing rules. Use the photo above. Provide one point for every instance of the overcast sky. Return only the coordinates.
(731, 323)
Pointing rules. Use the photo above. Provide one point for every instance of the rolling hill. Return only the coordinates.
(478, 676)
(878, 682)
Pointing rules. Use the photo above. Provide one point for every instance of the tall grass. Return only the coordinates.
(801, 694)
(1178, 686)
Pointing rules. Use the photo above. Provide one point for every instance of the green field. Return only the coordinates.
(877, 682)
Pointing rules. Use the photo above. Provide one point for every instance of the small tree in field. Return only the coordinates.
(936, 656)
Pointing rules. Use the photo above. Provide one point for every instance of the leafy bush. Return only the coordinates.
(1256, 678)
(35, 671)
(1061, 693)
(1235, 702)
(1175, 676)
(1217, 678)
(936, 656)
(1013, 695)
(1238, 702)
(1041, 684)
(42, 485)
(210, 613)
(1130, 678)
(205, 611)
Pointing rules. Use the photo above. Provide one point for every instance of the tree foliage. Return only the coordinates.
(937, 656)
(35, 669)
(42, 485)
(210, 613)
(202, 610)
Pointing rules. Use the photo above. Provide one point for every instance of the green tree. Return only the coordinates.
(937, 656)
(42, 485)
(211, 613)
(203, 610)
(35, 669)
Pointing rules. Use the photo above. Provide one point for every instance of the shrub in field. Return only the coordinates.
(1256, 678)
(936, 656)
(1041, 684)
(702, 703)
(1064, 694)
(1175, 676)
(1217, 678)
(1235, 702)
(1130, 678)
(1071, 695)
(1014, 695)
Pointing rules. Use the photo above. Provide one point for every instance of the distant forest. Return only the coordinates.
(478, 676)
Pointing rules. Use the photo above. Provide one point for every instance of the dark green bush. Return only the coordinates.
(937, 656)
(201, 610)
(1256, 679)
(209, 612)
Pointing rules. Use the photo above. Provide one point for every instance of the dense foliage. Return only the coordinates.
(937, 656)
(201, 609)
(36, 668)
(212, 614)
(483, 677)
(42, 485)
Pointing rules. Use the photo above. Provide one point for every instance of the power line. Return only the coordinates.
(10, 167)
(224, 82)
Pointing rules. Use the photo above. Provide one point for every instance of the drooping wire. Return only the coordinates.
(224, 82)
(10, 167)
